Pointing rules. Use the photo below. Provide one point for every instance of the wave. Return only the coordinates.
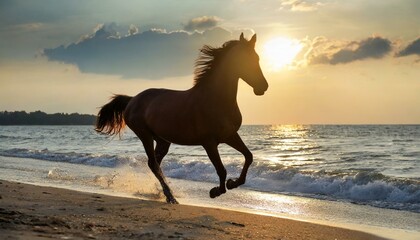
(361, 186)
(102, 160)
(402, 140)
(357, 186)
(20, 138)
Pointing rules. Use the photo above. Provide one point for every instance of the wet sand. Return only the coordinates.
(35, 212)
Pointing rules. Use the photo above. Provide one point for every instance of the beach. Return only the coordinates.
(365, 180)
(37, 212)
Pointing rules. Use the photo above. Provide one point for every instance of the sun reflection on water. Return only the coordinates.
(292, 145)
(279, 203)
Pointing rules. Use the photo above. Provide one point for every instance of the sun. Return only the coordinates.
(280, 52)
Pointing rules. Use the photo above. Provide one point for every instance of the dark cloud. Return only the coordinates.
(411, 49)
(152, 54)
(324, 51)
(202, 23)
(374, 47)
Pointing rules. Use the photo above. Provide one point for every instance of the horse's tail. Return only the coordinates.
(110, 118)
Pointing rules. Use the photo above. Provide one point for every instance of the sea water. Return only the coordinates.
(361, 174)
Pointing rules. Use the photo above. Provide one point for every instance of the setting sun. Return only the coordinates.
(280, 52)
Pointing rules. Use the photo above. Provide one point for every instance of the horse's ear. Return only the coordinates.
(253, 39)
(241, 38)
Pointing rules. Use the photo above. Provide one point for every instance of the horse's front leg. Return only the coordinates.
(214, 156)
(236, 142)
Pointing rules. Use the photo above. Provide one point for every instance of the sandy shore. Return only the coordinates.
(34, 212)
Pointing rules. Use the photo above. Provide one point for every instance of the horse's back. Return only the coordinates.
(182, 117)
(158, 110)
(134, 114)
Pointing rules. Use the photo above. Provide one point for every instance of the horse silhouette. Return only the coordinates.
(206, 114)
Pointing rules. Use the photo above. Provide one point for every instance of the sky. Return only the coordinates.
(326, 62)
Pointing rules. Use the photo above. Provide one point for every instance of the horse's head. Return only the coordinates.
(248, 67)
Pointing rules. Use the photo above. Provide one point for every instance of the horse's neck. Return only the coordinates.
(221, 87)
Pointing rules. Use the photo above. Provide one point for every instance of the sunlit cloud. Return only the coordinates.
(202, 23)
(300, 6)
(324, 51)
(132, 30)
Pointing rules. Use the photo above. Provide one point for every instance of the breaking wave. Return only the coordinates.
(362, 186)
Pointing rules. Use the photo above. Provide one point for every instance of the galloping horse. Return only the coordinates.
(206, 114)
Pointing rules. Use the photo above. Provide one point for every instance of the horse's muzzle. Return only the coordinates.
(259, 91)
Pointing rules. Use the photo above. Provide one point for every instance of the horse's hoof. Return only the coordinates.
(215, 192)
(231, 184)
(172, 201)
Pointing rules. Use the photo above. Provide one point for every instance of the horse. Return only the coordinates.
(207, 114)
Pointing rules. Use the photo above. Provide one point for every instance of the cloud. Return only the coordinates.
(323, 51)
(133, 30)
(374, 47)
(412, 49)
(300, 6)
(152, 54)
(202, 23)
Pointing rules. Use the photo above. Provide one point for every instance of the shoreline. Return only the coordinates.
(37, 212)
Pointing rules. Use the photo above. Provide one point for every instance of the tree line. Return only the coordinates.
(42, 118)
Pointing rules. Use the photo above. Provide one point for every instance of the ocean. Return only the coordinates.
(299, 171)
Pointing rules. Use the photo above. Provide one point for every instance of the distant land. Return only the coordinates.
(42, 118)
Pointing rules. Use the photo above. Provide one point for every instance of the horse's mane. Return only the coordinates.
(208, 59)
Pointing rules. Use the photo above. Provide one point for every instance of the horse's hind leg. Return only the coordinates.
(214, 156)
(155, 167)
(236, 142)
(161, 149)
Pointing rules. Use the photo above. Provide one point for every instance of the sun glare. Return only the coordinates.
(280, 52)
